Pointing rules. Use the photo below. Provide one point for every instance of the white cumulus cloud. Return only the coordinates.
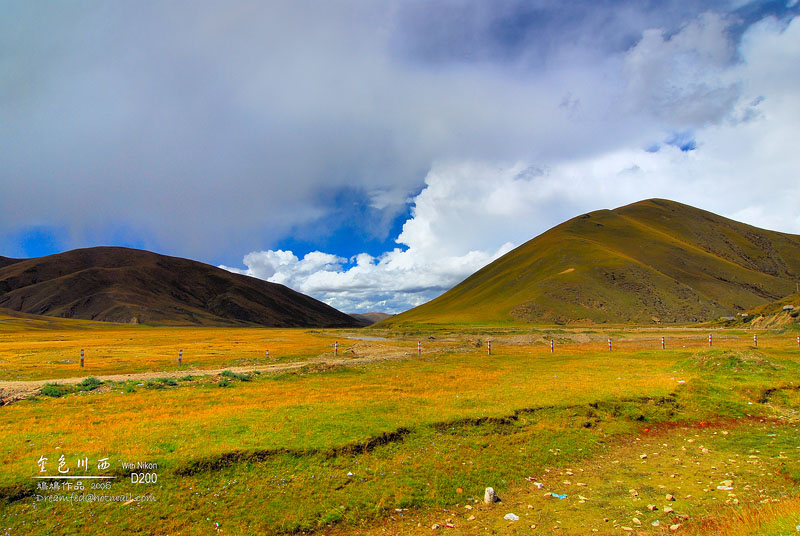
(741, 116)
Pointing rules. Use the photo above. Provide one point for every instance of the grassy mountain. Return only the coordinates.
(652, 261)
(133, 286)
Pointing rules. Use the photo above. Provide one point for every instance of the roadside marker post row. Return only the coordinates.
(488, 347)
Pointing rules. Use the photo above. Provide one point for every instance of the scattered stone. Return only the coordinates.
(643, 456)
(538, 485)
(489, 496)
(435, 526)
(636, 521)
(728, 483)
(724, 488)
(656, 523)
(511, 517)
(580, 484)
(633, 492)
(627, 529)
(668, 510)
(471, 518)
(652, 507)
(468, 507)
(675, 527)
(670, 497)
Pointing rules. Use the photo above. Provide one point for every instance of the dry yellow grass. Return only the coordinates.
(453, 381)
(120, 349)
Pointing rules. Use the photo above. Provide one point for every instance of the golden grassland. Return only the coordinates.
(116, 349)
(273, 454)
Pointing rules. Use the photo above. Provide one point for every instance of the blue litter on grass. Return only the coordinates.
(558, 496)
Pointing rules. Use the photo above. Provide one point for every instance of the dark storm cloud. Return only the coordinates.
(210, 128)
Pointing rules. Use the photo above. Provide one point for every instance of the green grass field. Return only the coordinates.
(399, 442)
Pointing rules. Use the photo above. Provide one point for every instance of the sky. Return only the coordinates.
(374, 154)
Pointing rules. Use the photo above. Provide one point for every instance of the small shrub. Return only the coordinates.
(89, 384)
(168, 381)
(187, 378)
(54, 390)
(235, 376)
(225, 382)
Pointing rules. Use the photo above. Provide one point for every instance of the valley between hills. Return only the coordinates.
(630, 371)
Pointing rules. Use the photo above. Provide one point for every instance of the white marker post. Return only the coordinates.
(755, 340)
(419, 347)
(81, 357)
(709, 340)
(551, 346)
(180, 357)
(336, 348)
(266, 354)
(609, 345)
(663, 344)
(489, 347)
(798, 341)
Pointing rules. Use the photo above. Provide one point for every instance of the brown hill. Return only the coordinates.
(114, 284)
(652, 261)
(5, 261)
(367, 319)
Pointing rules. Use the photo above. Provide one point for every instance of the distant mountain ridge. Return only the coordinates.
(115, 284)
(367, 319)
(652, 261)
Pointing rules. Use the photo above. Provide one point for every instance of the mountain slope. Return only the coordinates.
(652, 261)
(783, 312)
(5, 261)
(133, 286)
